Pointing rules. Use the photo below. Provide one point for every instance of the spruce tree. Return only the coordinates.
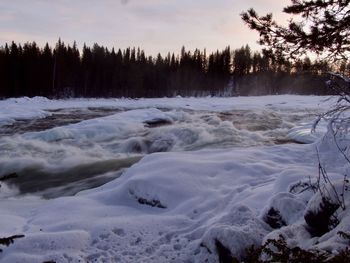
(324, 28)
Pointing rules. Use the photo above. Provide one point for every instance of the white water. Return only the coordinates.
(54, 158)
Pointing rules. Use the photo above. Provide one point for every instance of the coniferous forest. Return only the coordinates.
(65, 71)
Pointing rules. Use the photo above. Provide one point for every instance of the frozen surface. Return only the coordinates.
(54, 144)
(168, 206)
(210, 170)
(38, 107)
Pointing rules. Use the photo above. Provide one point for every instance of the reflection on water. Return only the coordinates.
(74, 162)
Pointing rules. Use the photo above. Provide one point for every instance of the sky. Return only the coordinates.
(154, 25)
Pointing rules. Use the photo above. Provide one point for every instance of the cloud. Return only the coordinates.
(124, 2)
(155, 25)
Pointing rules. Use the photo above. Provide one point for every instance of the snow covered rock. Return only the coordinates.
(324, 222)
(237, 230)
(283, 209)
(320, 213)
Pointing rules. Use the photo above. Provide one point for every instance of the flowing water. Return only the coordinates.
(77, 149)
(59, 117)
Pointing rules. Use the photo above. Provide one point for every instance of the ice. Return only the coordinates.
(209, 170)
(37, 107)
(205, 196)
(305, 133)
(134, 128)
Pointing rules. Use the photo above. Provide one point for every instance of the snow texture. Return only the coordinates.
(169, 206)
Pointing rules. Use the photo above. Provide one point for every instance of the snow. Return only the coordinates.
(102, 128)
(304, 133)
(207, 196)
(289, 206)
(297, 234)
(111, 142)
(37, 107)
(169, 206)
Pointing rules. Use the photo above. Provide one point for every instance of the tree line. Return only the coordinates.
(65, 71)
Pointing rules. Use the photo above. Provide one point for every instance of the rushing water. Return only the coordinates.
(59, 117)
(54, 156)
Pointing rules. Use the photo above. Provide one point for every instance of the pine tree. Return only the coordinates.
(324, 28)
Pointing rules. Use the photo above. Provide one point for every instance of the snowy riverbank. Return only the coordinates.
(170, 206)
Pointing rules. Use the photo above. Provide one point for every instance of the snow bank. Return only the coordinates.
(322, 226)
(168, 207)
(325, 214)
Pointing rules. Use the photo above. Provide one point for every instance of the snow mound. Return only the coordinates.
(62, 246)
(169, 207)
(320, 224)
(236, 231)
(286, 207)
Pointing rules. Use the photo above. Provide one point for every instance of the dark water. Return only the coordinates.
(50, 184)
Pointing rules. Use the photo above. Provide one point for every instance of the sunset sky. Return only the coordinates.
(155, 25)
